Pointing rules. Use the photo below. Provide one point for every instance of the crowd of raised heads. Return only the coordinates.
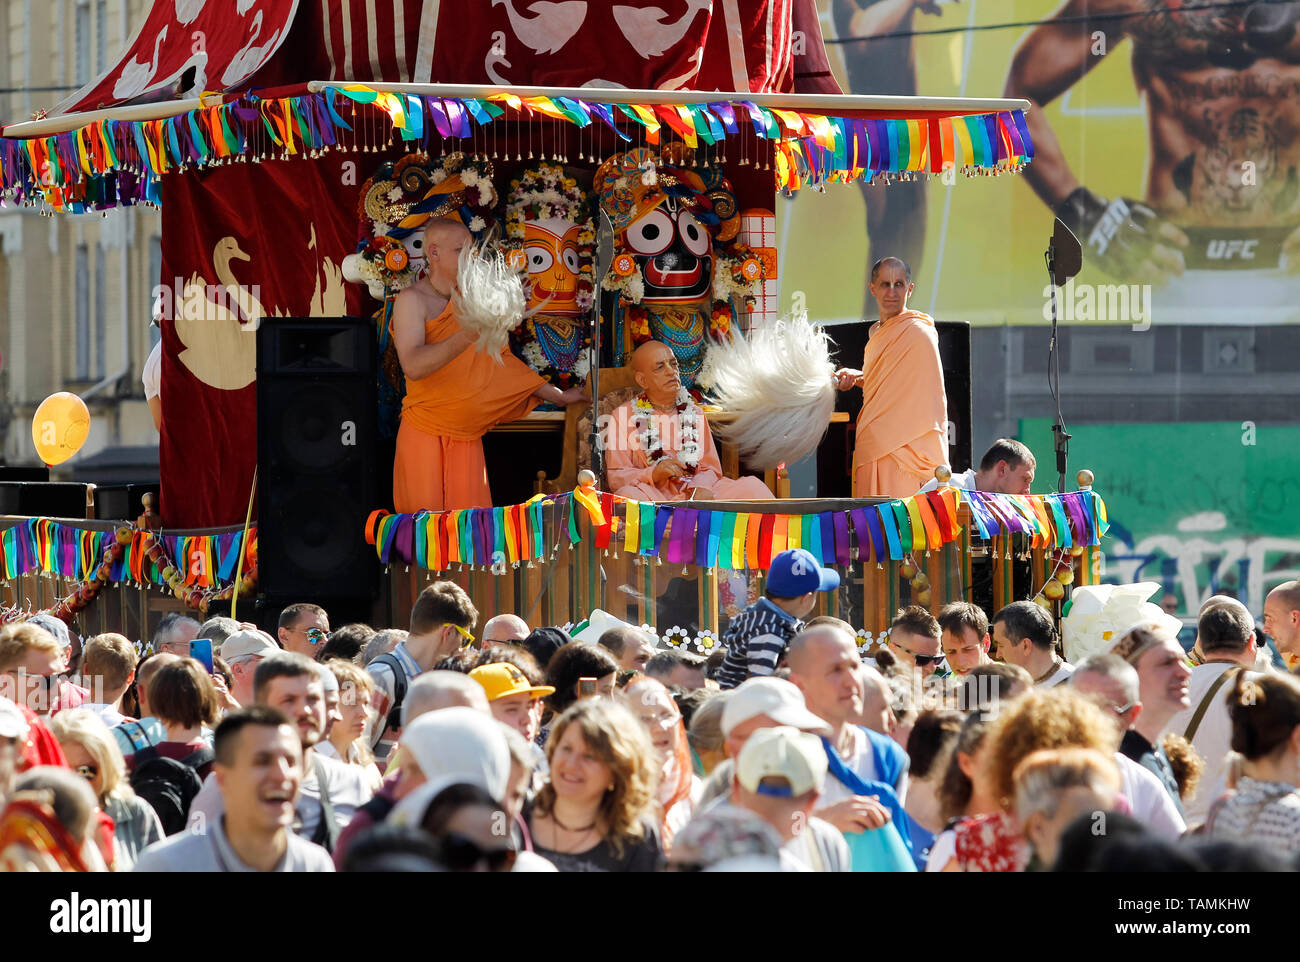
(464, 743)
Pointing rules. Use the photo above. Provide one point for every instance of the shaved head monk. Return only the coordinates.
(454, 393)
(902, 428)
(1282, 619)
(659, 446)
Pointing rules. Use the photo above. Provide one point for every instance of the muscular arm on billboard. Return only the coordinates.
(884, 16)
(1124, 237)
(1051, 59)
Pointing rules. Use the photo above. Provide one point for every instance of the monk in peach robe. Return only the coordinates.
(684, 463)
(902, 429)
(454, 392)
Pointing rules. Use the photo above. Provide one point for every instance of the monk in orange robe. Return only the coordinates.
(454, 392)
(658, 446)
(902, 429)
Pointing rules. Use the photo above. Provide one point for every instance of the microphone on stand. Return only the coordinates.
(604, 255)
(1064, 258)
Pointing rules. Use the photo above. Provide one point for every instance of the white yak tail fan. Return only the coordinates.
(778, 385)
(489, 298)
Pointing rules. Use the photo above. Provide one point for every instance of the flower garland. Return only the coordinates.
(385, 264)
(689, 417)
(535, 356)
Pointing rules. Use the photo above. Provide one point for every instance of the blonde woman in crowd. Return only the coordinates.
(345, 741)
(1057, 786)
(92, 753)
(593, 813)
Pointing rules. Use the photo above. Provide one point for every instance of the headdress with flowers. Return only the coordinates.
(400, 198)
(542, 192)
(559, 351)
(630, 185)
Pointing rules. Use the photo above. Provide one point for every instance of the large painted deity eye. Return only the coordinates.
(539, 259)
(571, 260)
(652, 234)
(693, 234)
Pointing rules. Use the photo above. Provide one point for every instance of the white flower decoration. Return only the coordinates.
(476, 225)
(676, 637)
(706, 642)
(1102, 614)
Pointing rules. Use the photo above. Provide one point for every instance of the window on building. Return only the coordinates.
(82, 313)
(101, 320)
(101, 36)
(81, 38)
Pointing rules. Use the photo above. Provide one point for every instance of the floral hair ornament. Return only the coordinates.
(1100, 615)
(399, 200)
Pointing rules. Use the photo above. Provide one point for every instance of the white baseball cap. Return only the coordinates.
(782, 752)
(463, 742)
(12, 722)
(776, 698)
(248, 641)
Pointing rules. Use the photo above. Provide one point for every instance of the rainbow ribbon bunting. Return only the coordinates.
(111, 163)
(39, 544)
(690, 533)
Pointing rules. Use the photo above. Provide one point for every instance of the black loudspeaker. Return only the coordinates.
(49, 499)
(121, 501)
(833, 480)
(316, 414)
(954, 354)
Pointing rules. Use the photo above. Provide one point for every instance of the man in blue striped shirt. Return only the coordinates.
(758, 636)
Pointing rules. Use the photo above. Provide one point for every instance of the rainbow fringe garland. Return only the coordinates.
(531, 532)
(39, 544)
(111, 163)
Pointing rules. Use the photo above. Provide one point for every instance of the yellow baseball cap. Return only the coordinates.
(502, 679)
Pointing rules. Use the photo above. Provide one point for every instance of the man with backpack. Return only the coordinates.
(169, 774)
(442, 621)
(132, 735)
(1225, 634)
(332, 790)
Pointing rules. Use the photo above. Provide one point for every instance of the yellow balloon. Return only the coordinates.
(60, 427)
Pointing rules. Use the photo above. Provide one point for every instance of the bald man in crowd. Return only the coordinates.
(659, 446)
(1282, 620)
(454, 392)
(505, 629)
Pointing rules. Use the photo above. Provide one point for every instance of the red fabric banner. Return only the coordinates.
(240, 239)
(222, 42)
(657, 44)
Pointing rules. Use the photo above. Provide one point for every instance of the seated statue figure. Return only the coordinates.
(658, 446)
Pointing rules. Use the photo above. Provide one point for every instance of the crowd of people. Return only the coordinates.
(461, 744)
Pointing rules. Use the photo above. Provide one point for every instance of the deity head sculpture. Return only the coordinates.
(675, 253)
(550, 235)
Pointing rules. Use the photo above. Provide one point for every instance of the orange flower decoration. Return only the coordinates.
(396, 259)
(624, 265)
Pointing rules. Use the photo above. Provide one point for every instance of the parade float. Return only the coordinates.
(294, 157)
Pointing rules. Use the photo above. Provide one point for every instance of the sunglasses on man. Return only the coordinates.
(456, 853)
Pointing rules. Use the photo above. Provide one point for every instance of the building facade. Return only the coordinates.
(75, 291)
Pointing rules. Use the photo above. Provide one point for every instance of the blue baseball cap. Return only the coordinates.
(798, 572)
